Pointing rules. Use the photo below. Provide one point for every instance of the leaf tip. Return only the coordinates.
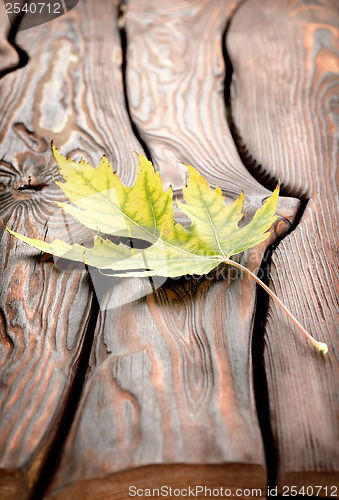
(84, 258)
(194, 175)
(277, 189)
(54, 149)
(7, 228)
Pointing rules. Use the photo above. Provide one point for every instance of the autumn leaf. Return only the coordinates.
(103, 203)
(144, 211)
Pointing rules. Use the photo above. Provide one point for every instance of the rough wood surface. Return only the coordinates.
(44, 315)
(170, 375)
(202, 480)
(168, 395)
(44, 311)
(176, 77)
(169, 381)
(285, 56)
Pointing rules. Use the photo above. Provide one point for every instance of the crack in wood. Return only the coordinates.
(262, 302)
(22, 54)
(279, 50)
(124, 42)
(79, 367)
(84, 356)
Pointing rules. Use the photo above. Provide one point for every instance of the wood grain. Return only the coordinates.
(168, 395)
(43, 320)
(176, 78)
(45, 309)
(285, 56)
(170, 374)
(171, 478)
(169, 382)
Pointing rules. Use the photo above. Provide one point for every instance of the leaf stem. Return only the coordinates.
(319, 345)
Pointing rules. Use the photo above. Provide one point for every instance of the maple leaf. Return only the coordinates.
(144, 211)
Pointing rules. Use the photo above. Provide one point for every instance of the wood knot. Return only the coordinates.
(28, 185)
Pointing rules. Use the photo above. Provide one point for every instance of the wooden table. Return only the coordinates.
(202, 381)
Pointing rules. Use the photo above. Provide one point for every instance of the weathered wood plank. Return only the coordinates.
(175, 83)
(170, 374)
(43, 320)
(200, 480)
(44, 311)
(285, 56)
(169, 382)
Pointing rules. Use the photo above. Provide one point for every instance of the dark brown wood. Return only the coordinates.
(169, 381)
(170, 375)
(176, 79)
(44, 310)
(43, 320)
(171, 478)
(285, 107)
(168, 395)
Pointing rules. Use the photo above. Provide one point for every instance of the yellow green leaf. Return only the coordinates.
(100, 201)
(103, 203)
